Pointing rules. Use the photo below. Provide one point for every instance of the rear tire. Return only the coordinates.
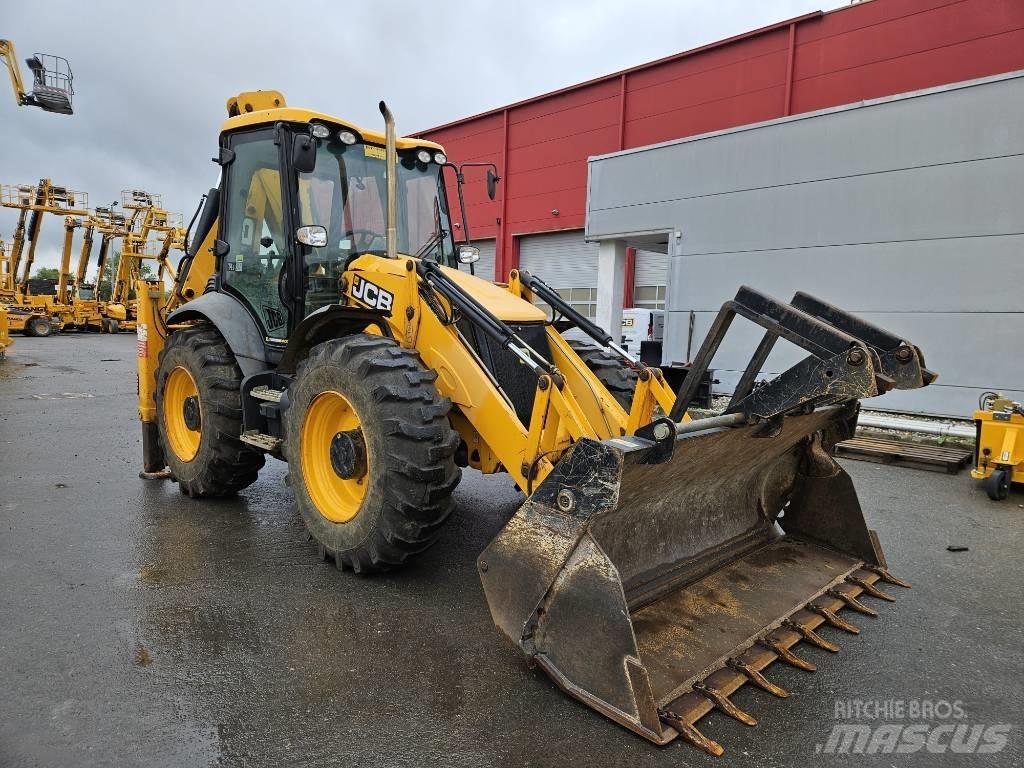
(378, 402)
(997, 485)
(612, 372)
(39, 327)
(200, 439)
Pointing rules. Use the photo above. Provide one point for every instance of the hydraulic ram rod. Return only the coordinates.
(555, 300)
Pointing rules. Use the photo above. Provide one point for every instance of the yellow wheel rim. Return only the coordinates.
(182, 414)
(330, 433)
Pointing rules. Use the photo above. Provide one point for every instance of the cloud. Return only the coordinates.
(151, 80)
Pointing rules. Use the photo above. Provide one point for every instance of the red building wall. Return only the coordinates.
(864, 51)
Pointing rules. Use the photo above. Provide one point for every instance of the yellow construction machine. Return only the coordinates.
(6, 342)
(36, 308)
(52, 81)
(325, 315)
(151, 234)
(999, 447)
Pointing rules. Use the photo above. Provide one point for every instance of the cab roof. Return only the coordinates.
(261, 107)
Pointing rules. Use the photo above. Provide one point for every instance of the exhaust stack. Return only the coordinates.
(390, 162)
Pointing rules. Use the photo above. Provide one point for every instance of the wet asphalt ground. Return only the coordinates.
(141, 628)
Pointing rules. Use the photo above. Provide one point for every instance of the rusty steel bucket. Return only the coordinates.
(652, 576)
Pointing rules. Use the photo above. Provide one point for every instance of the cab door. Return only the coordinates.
(253, 229)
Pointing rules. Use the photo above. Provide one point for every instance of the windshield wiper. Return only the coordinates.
(436, 238)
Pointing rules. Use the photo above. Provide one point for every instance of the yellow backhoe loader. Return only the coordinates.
(52, 81)
(324, 315)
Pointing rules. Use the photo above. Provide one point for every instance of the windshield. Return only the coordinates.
(86, 292)
(347, 194)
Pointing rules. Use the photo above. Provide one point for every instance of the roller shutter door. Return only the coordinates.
(566, 262)
(650, 277)
(485, 267)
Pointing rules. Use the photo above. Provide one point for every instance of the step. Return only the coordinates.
(259, 440)
(268, 394)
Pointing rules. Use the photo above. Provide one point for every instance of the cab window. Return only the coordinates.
(254, 229)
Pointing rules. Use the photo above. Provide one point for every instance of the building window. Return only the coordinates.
(649, 296)
(583, 300)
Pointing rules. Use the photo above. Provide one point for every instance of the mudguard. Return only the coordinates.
(234, 323)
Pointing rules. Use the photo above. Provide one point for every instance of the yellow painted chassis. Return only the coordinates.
(570, 403)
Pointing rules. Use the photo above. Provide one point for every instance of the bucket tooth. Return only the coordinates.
(721, 701)
(810, 636)
(756, 678)
(852, 602)
(833, 619)
(870, 588)
(690, 733)
(885, 576)
(788, 656)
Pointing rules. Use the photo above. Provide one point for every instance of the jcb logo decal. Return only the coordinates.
(372, 295)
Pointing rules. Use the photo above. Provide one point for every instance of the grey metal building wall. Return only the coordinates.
(907, 210)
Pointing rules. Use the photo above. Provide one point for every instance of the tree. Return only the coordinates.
(105, 288)
(48, 273)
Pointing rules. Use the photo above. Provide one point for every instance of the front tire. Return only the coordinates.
(370, 452)
(617, 378)
(39, 327)
(199, 414)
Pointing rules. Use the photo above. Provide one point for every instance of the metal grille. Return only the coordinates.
(518, 381)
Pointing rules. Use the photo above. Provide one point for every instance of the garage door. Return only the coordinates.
(565, 262)
(485, 267)
(650, 276)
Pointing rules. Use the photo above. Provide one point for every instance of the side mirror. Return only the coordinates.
(492, 183)
(304, 154)
(468, 254)
(314, 236)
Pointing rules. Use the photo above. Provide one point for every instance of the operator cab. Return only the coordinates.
(299, 201)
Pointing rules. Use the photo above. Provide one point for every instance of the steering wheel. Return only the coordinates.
(369, 236)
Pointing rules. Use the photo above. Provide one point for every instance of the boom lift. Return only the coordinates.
(52, 81)
(152, 233)
(323, 316)
(35, 315)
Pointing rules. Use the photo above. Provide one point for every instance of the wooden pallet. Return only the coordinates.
(903, 454)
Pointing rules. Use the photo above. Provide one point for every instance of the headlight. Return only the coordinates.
(440, 158)
(423, 156)
(347, 137)
(321, 131)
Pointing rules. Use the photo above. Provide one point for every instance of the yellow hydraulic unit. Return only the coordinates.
(52, 82)
(999, 446)
(325, 315)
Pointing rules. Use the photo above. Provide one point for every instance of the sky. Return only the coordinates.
(151, 79)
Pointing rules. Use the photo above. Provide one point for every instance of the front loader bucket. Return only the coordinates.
(652, 576)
